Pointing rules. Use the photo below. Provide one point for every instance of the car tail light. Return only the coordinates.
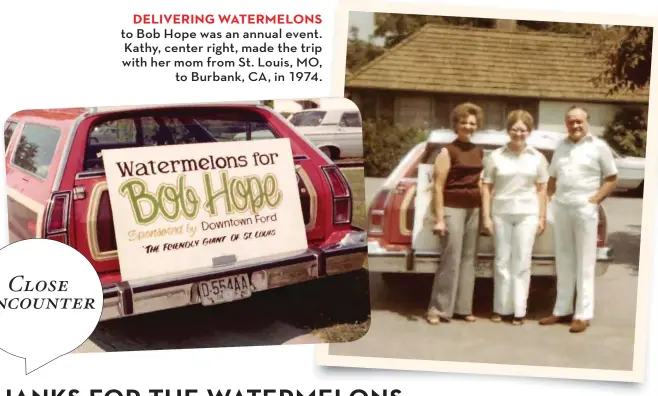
(341, 195)
(601, 229)
(56, 226)
(377, 212)
(105, 225)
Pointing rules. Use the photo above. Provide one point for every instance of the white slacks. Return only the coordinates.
(514, 238)
(574, 233)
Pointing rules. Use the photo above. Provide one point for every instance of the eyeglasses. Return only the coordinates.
(518, 130)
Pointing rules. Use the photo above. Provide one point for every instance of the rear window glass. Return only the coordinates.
(238, 130)
(36, 148)
(351, 120)
(10, 127)
(308, 118)
(174, 129)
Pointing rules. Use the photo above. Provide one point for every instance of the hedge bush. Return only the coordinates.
(627, 133)
(384, 145)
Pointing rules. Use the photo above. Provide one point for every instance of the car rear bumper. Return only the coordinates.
(409, 261)
(131, 298)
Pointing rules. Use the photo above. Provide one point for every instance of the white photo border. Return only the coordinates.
(324, 358)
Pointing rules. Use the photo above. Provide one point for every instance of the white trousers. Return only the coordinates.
(574, 233)
(514, 237)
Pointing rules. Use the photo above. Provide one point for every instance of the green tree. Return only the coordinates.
(627, 54)
(627, 133)
(360, 52)
(384, 145)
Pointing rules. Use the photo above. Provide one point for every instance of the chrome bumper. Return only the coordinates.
(410, 261)
(131, 298)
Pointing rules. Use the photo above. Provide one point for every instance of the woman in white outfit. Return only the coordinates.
(514, 180)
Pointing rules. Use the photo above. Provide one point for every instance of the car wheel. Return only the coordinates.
(327, 152)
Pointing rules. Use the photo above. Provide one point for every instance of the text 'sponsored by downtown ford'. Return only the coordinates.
(181, 209)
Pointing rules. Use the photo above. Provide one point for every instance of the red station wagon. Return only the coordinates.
(57, 190)
(392, 213)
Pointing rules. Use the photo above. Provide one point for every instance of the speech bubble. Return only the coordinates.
(51, 300)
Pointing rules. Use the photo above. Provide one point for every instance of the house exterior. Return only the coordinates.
(419, 81)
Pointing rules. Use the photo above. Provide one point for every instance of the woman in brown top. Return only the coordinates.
(457, 200)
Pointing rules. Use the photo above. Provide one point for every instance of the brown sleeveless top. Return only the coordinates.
(462, 184)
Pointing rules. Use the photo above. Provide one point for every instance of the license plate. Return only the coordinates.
(222, 290)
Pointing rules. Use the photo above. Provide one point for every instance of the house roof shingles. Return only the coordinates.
(491, 62)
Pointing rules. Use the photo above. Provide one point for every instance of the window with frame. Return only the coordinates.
(161, 130)
(308, 118)
(227, 131)
(350, 120)
(10, 127)
(35, 149)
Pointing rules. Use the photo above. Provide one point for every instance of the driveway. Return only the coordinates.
(398, 330)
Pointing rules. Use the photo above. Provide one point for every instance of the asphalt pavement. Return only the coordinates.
(398, 329)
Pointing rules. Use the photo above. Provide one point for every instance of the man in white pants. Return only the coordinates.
(578, 166)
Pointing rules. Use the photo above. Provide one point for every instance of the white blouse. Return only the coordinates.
(514, 177)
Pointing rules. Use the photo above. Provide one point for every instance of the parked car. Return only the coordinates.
(400, 237)
(57, 190)
(338, 133)
(631, 173)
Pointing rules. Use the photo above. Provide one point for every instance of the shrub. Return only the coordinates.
(627, 133)
(384, 145)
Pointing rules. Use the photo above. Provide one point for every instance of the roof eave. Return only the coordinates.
(519, 94)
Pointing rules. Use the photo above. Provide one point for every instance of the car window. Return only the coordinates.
(187, 128)
(36, 148)
(225, 131)
(10, 127)
(114, 132)
(350, 119)
(308, 118)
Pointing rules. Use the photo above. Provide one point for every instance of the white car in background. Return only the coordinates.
(337, 132)
(631, 169)
(631, 173)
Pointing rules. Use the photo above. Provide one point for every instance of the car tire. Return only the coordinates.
(328, 152)
(639, 190)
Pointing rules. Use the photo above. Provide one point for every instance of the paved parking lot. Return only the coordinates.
(302, 313)
(398, 330)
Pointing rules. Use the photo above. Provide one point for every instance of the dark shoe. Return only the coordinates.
(550, 320)
(467, 318)
(578, 326)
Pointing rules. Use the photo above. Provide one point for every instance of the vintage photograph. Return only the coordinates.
(209, 225)
(505, 179)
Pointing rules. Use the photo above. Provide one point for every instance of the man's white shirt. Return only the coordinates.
(580, 168)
